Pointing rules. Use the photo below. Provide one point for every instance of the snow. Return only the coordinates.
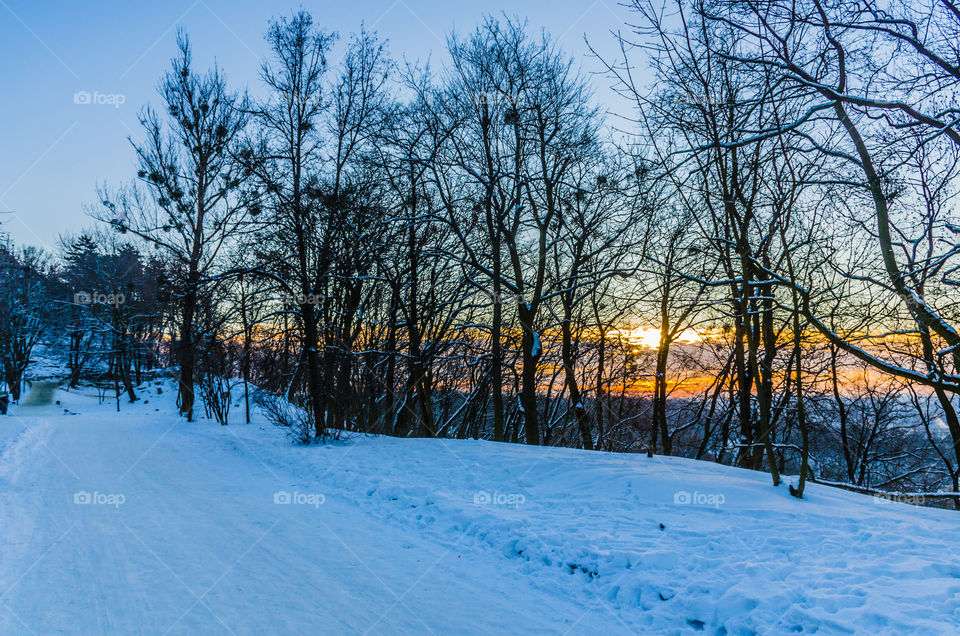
(537, 346)
(138, 522)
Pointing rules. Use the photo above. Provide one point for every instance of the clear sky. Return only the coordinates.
(55, 56)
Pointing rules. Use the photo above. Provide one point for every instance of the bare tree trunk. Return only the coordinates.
(187, 353)
(530, 351)
(580, 411)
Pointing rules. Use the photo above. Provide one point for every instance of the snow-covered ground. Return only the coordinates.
(138, 522)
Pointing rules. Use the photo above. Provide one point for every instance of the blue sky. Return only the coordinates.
(54, 150)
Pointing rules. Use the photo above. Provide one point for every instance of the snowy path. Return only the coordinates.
(183, 536)
(199, 546)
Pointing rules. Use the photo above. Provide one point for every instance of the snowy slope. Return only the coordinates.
(184, 535)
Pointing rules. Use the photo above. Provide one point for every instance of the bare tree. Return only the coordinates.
(192, 198)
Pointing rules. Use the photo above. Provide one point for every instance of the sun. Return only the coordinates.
(650, 336)
(644, 336)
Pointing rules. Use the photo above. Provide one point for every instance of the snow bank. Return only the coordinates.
(673, 543)
(657, 545)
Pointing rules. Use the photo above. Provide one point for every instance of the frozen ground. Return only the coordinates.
(141, 523)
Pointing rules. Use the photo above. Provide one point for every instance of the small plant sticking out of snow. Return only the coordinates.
(280, 412)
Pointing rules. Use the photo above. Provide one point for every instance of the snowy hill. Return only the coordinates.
(141, 523)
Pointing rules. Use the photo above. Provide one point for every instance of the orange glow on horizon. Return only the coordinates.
(650, 336)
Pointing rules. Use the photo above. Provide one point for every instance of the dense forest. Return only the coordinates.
(480, 250)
